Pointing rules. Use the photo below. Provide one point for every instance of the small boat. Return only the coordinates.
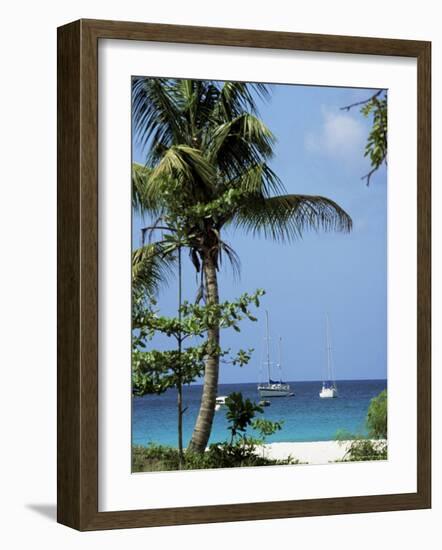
(220, 402)
(273, 388)
(328, 392)
(264, 403)
(329, 389)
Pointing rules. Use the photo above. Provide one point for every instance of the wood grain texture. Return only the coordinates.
(68, 277)
(252, 38)
(78, 273)
(424, 273)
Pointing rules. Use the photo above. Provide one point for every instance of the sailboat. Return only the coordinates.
(329, 389)
(273, 388)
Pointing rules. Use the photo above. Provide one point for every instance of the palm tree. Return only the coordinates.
(207, 167)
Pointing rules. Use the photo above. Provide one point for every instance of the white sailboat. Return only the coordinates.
(329, 389)
(273, 388)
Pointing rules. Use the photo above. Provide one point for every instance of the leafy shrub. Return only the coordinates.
(240, 413)
(377, 416)
(366, 449)
(156, 458)
(374, 446)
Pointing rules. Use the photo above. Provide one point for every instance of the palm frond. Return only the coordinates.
(239, 97)
(240, 142)
(144, 198)
(152, 267)
(233, 258)
(258, 179)
(208, 96)
(187, 166)
(286, 217)
(187, 93)
(156, 113)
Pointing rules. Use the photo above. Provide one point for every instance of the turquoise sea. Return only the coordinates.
(306, 416)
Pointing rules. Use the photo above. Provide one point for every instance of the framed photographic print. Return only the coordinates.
(243, 275)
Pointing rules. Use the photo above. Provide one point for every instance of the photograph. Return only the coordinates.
(259, 274)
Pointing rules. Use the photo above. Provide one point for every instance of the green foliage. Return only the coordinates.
(223, 315)
(376, 147)
(240, 454)
(242, 357)
(345, 435)
(240, 413)
(374, 445)
(152, 267)
(241, 449)
(377, 416)
(156, 371)
(266, 427)
(365, 449)
(156, 458)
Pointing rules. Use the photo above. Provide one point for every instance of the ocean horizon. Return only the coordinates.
(296, 381)
(306, 417)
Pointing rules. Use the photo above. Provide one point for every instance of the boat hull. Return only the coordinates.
(328, 393)
(268, 391)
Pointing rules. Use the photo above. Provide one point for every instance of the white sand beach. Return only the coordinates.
(312, 452)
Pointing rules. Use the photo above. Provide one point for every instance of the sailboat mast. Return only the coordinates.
(268, 343)
(279, 360)
(328, 348)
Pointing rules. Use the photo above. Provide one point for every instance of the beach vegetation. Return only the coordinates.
(372, 445)
(366, 449)
(240, 413)
(159, 458)
(266, 427)
(242, 448)
(377, 416)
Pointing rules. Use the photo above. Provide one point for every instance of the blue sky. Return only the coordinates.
(319, 151)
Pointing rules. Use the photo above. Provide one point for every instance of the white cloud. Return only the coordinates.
(340, 135)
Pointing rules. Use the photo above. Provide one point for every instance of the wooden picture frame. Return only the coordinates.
(78, 274)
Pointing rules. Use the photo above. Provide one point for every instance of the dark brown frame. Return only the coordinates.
(78, 268)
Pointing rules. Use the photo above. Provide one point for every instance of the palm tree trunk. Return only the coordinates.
(204, 421)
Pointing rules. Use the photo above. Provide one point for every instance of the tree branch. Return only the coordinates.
(369, 174)
(374, 96)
